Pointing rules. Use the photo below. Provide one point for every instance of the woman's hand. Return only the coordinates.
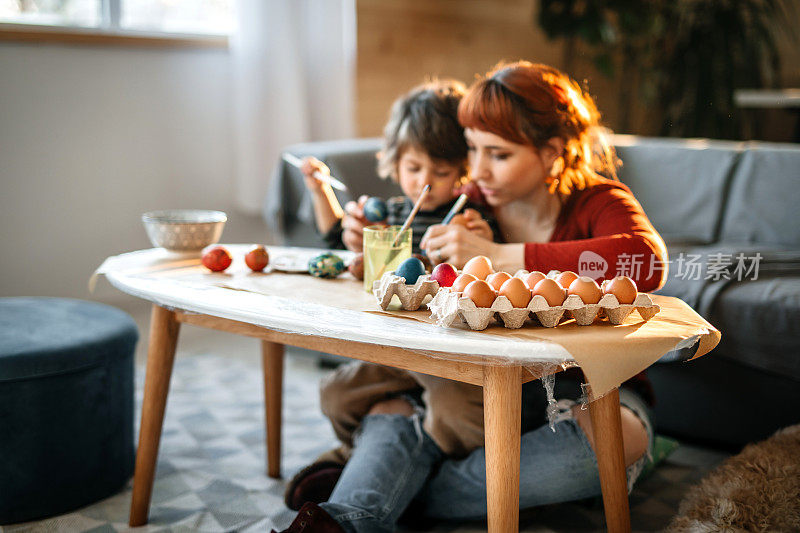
(353, 224)
(455, 244)
(477, 225)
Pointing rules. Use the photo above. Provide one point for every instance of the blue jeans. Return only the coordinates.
(391, 461)
(394, 462)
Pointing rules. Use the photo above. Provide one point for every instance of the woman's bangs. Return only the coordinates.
(486, 107)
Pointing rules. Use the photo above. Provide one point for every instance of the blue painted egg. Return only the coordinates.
(326, 265)
(375, 209)
(411, 269)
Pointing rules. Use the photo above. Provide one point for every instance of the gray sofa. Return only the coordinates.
(717, 205)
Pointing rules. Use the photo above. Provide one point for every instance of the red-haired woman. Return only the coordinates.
(536, 151)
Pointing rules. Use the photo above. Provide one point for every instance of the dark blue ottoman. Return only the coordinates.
(66, 405)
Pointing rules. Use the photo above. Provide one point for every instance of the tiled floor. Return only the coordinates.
(211, 463)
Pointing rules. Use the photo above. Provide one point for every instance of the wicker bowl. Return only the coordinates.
(184, 230)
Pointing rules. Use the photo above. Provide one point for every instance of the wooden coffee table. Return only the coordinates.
(183, 292)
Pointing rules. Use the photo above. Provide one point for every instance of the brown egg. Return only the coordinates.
(481, 293)
(533, 278)
(566, 278)
(587, 289)
(623, 287)
(497, 279)
(356, 266)
(551, 290)
(479, 266)
(461, 282)
(516, 291)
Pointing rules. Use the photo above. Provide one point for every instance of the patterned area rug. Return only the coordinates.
(211, 468)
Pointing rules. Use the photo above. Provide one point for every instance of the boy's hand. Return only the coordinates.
(309, 166)
(477, 225)
(353, 224)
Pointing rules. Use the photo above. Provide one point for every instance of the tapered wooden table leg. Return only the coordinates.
(160, 357)
(272, 359)
(502, 398)
(607, 426)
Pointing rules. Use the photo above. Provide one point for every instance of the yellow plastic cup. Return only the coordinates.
(379, 254)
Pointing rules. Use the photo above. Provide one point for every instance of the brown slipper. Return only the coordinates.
(313, 519)
(312, 484)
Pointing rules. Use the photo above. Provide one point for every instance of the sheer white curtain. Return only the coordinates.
(293, 72)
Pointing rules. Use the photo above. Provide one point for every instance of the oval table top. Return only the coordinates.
(340, 308)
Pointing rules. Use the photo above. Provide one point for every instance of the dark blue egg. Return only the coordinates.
(375, 209)
(411, 269)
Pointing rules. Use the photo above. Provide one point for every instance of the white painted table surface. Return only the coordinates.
(190, 288)
(131, 273)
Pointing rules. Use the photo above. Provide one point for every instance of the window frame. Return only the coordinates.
(109, 33)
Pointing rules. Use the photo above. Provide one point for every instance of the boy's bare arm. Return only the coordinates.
(327, 210)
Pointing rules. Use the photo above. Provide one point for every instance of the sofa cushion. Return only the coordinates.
(717, 401)
(698, 274)
(765, 191)
(760, 323)
(681, 183)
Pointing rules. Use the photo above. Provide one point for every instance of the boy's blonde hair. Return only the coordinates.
(425, 118)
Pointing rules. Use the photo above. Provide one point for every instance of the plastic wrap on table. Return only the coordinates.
(341, 309)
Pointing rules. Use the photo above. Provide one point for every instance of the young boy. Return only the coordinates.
(423, 145)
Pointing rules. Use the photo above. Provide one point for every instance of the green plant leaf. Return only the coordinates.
(605, 64)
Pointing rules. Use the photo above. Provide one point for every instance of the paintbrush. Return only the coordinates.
(392, 252)
(455, 209)
(324, 178)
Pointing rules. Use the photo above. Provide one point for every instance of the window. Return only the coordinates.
(121, 17)
(81, 13)
(177, 16)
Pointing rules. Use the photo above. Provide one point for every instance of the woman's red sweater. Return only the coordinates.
(602, 232)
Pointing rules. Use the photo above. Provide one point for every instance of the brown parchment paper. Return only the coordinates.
(608, 354)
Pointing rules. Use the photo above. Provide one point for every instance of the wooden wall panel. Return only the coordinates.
(400, 42)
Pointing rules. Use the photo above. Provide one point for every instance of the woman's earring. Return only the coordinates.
(555, 174)
(557, 168)
(465, 177)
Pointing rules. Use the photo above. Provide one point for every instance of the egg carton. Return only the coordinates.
(447, 307)
(411, 296)
(609, 306)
